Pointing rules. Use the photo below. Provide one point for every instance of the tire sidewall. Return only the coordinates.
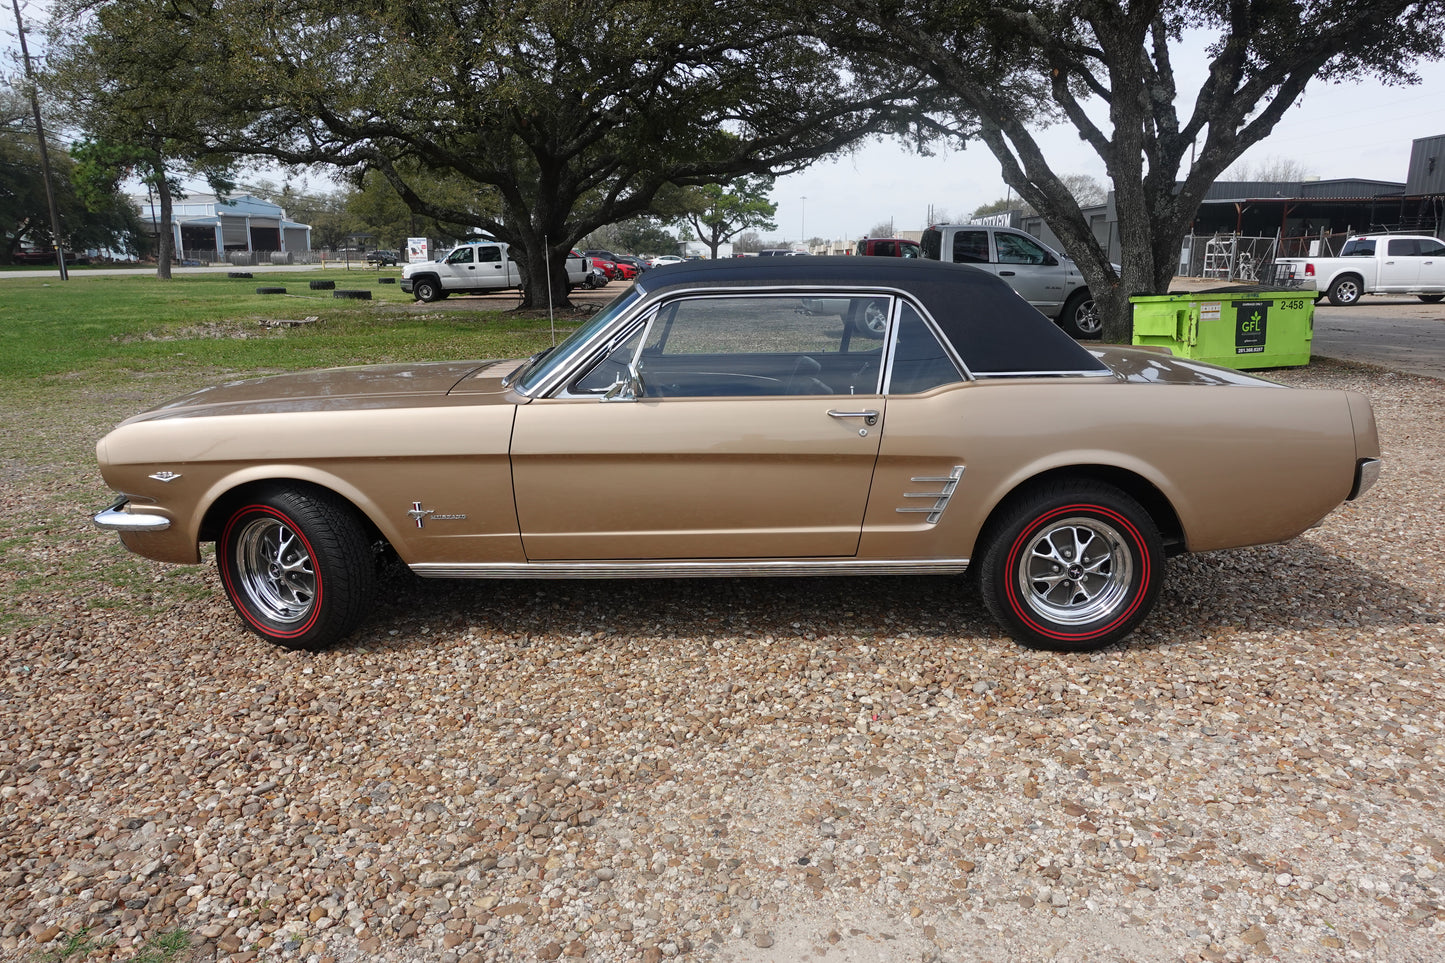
(1339, 299)
(426, 290)
(1004, 555)
(341, 563)
(1072, 309)
(283, 633)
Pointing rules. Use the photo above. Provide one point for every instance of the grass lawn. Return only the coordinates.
(76, 357)
(108, 329)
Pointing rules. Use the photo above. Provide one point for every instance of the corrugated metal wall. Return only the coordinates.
(1427, 166)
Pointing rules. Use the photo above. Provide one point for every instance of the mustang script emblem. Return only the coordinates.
(419, 515)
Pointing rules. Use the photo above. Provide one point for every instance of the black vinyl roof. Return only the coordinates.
(993, 330)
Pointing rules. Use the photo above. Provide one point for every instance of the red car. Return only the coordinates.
(616, 270)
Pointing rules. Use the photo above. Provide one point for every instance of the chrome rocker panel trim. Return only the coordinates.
(764, 568)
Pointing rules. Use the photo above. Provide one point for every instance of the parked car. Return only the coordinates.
(1371, 264)
(1042, 276)
(380, 258)
(608, 266)
(476, 267)
(667, 259)
(888, 247)
(705, 423)
(636, 262)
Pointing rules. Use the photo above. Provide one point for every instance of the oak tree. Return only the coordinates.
(1108, 69)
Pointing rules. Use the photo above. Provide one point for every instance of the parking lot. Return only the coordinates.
(738, 770)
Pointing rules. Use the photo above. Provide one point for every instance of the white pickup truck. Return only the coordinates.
(475, 267)
(1042, 276)
(1371, 264)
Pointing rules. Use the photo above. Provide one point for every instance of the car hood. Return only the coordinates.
(341, 389)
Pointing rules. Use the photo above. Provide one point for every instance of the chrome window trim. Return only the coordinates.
(589, 360)
(948, 350)
(1045, 374)
(692, 568)
(647, 309)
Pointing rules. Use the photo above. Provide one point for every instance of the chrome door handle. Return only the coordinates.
(869, 417)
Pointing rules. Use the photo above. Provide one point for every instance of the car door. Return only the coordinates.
(740, 427)
(1400, 265)
(1432, 266)
(458, 271)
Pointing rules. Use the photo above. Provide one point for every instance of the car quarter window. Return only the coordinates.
(970, 247)
(725, 346)
(920, 362)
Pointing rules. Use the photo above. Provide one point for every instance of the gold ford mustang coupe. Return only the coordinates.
(782, 416)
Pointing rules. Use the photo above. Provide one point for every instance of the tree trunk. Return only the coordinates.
(165, 247)
(539, 262)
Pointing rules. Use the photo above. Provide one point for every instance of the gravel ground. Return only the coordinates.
(741, 771)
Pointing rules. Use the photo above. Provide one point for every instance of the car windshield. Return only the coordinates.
(535, 371)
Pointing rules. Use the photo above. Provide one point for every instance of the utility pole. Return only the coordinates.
(44, 152)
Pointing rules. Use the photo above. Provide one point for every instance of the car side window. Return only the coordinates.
(727, 346)
(919, 361)
(970, 247)
(1432, 248)
(1013, 249)
(462, 255)
(489, 254)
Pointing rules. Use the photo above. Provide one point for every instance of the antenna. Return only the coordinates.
(547, 260)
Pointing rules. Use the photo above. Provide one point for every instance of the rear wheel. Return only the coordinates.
(297, 567)
(1072, 566)
(1080, 318)
(1345, 290)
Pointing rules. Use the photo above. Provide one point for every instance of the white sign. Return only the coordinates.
(418, 249)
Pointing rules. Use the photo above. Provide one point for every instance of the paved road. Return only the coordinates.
(1399, 333)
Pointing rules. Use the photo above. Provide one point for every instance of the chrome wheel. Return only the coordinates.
(1087, 320)
(1071, 565)
(276, 571)
(1345, 291)
(1076, 571)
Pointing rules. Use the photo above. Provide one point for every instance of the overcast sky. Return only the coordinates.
(1356, 130)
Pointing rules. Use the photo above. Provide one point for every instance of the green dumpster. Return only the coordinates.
(1235, 327)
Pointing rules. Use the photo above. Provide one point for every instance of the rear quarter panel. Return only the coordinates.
(1240, 465)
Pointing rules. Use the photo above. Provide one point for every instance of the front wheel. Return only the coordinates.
(1080, 318)
(1431, 298)
(1072, 567)
(1345, 291)
(297, 567)
(426, 289)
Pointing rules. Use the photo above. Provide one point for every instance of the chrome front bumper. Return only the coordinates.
(113, 519)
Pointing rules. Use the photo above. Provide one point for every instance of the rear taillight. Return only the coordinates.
(1309, 270)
